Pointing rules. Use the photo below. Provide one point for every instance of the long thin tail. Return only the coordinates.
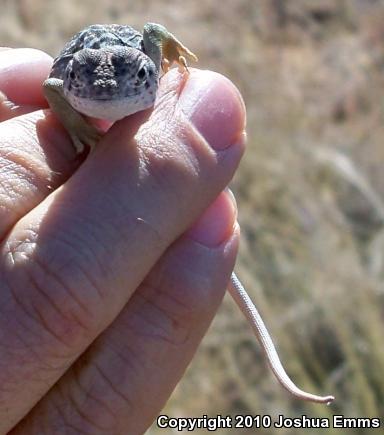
(253, 317)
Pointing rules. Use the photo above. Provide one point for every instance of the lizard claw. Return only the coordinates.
(86, 134)
(175, 51)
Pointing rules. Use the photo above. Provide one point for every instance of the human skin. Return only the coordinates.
(111, 268)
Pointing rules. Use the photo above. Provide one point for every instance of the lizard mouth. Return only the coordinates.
(112, 96)
(112, 108)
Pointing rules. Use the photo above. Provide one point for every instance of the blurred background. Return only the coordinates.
(310, 192)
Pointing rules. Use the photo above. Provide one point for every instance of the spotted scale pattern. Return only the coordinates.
(106, 73)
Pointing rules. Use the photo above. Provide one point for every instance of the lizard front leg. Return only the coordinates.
(164, 48)
(81, 132)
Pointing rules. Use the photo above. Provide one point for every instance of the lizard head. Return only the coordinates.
(110, 83)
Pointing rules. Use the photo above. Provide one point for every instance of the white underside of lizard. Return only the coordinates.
(110, 110)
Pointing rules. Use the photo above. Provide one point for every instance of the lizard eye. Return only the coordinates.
(141, 73)
(72, 75)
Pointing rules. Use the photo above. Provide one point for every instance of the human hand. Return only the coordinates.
(106, 290)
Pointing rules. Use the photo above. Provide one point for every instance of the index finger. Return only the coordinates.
(22, 72)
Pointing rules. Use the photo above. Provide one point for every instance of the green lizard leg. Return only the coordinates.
(164, 48)
(81, 132)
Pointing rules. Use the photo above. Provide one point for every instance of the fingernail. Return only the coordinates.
(215, 107)
(217, 222)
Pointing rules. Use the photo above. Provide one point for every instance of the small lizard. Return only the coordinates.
(112, 71)
(109, 71)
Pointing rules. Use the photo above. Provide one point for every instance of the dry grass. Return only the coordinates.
(309, 192)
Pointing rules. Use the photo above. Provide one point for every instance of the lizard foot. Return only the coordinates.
(83, 134)
(163, 47)
(79, 129)
(175, 51)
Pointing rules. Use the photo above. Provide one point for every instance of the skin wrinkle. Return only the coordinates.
(20, 303)
(28, 375)
(34, 168)
(132, 360)
(15, 299)
(159, 291)
(55, 277)
(56, 402)
(164, 112)
(20, 248)
(87, 396)
(136, 352)
(16, 178)
(55, 270)
(88, 328)
(169, 92)
(9, 110)
(12, 191)
(153, 289)
(150, 153)
(45, 323)
(48, 367)
(116, 348)
(91, 258)
(94, 284)
(10, 168)
(58, 280)
(114, 388)
(80, 239)
(69, 418)
(11, 349)
(181, 309)
(44, 426)
(140, 397)
(174, 320)
(184, 130)
(136, 360)
(31, 348)
(25, 125)
(66, 334)
(67, 323)
(76, 430)
(162, 333)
